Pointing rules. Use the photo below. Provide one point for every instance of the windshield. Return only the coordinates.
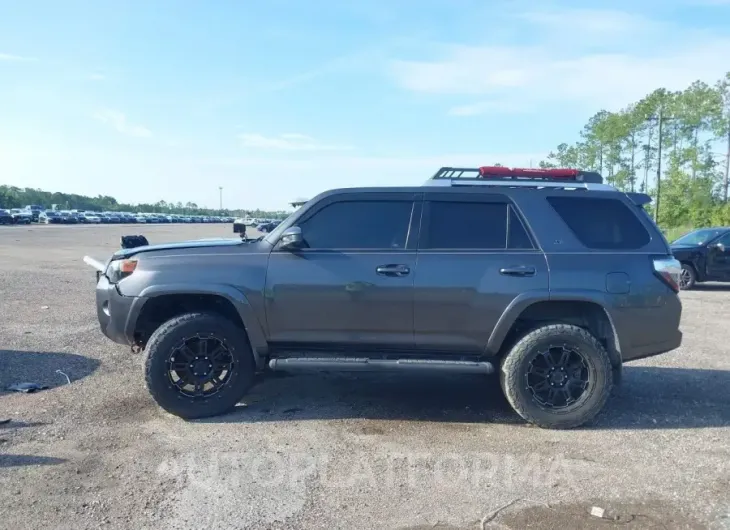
(698, 237)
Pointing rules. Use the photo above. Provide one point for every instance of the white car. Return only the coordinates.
(91, 218)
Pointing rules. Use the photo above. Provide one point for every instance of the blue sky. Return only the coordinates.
(280, 99)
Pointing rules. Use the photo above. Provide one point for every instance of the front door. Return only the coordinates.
(718, 258)
(352, 284)
(474, 258)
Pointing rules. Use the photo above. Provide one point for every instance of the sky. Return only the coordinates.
(276, 100)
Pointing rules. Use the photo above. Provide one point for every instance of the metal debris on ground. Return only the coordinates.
(27, 388)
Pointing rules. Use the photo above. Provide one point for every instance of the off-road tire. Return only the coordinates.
(171, 333)
(689, 279)
(513, 376)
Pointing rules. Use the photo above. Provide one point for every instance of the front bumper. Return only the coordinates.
(117, 313)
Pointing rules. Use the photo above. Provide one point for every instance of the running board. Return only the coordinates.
(349, 364)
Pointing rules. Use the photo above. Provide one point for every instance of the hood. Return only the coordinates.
(679, 246)
(684, 250)
(198, 243)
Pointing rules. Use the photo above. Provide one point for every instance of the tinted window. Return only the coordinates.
(517, 237)
(359, 225)
(465, 225)
(725, 240)
(603, 224)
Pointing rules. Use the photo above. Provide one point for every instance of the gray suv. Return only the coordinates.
(549, 278)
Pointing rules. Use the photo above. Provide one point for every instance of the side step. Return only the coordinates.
(349, 364)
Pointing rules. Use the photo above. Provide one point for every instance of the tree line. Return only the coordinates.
(15, 197)
(674, 146)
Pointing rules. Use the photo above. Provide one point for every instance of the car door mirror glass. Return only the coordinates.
(291, 238)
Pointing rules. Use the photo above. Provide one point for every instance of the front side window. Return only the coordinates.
(359, 224)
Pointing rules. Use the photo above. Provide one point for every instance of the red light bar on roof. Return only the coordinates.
(499, 171)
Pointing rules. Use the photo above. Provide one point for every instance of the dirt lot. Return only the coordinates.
(334, 451)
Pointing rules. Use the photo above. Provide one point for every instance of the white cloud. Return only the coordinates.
(97, 77)
(495, 106)
(287, 141)
(580, 22)
(9, 57)
(521, 77)
(118, 121)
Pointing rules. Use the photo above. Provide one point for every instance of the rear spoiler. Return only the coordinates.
(639, 199)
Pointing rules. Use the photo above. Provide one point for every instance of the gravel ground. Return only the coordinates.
(334, 451)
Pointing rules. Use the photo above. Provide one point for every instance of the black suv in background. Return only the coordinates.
(705, 256)
(554, 280)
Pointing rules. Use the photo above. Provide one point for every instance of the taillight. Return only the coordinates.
(668, 269)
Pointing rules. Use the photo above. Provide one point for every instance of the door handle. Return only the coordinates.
(520, 270)
(393, 270)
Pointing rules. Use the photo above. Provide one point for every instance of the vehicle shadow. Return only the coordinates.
(40, 367)
(649, 398)
(28, 460)
(708, 287)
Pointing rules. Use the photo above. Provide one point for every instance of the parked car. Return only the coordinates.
(68, 217)
(705, 256)
(89, 218)
(140, 219)
(21, 217)
(35, 211)
(559, 281)
(6, 217)
(50, 217)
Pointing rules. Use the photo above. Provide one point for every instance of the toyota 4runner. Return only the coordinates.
(550, 278)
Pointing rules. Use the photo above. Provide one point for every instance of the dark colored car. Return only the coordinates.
(553, 281)
(6, 217)
(21, 217)
(704, 255)
(69, 218)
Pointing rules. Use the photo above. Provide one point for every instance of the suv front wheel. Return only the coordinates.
(557, 376)
(198, 365)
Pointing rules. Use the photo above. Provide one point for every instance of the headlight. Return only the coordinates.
(120, 269)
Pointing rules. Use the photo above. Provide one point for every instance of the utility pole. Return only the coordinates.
(659, 166)
(727, 166)
(220, 191)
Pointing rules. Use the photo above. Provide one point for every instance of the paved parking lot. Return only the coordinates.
(334, 451)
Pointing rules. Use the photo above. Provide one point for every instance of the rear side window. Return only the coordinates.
(601, 224)
(470, 225)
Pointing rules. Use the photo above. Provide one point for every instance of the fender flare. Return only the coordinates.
(524, 300)
(246, 312)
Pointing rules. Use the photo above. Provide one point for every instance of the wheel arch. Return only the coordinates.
(163, 302)
(530, 310)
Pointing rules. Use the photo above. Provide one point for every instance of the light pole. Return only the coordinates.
(220, 192)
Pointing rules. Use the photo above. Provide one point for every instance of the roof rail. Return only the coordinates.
(519, 177)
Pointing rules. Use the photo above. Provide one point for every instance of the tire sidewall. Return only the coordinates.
(158, 352)
(589, 404)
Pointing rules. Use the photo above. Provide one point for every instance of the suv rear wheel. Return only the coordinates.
(198, 365)
(557, 376)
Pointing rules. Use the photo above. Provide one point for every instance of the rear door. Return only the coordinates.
(474, 257)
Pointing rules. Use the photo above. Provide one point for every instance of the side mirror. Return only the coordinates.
(291, 238)
(720, 247)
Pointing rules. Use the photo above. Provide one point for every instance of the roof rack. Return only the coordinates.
(518, 177)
